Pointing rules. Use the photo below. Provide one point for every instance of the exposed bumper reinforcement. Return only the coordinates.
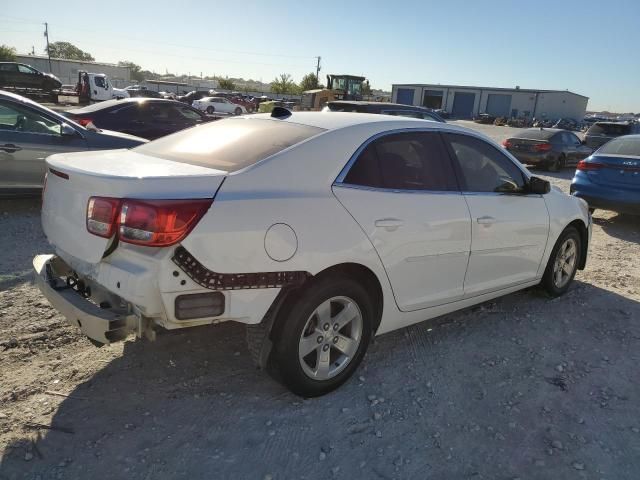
(102, 325)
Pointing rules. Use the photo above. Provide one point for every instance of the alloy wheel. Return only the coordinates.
(565, 263)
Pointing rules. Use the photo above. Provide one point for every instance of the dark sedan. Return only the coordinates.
(384, 108)
(550, 148)
(19, 75)
(610, 178)
(149, 118)
(30, 132)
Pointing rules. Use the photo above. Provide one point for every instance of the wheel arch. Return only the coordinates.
(584, 241)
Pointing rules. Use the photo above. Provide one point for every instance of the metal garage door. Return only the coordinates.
(498, 105)
(463, 105)
(405, 95)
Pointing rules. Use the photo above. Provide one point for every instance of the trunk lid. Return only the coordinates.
(524, 144)
(623, 171)
(74, 178)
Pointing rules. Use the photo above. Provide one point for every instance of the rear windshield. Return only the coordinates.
(609, 129)
(536, 134)
(622, 146)
(230, 144)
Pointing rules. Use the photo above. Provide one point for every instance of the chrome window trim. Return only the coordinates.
(396, 190)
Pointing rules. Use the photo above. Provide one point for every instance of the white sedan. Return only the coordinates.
(218, 104)
(321, 231)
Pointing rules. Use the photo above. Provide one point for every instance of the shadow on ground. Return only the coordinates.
(624, 227)
(522, 387)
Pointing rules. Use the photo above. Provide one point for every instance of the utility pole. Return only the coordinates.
(318, 70)
(46, 34)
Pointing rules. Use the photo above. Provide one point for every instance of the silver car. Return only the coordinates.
(30, 132)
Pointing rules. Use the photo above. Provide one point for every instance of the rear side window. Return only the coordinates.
(609, 129)
(404, 161)
(622, 146)
(230, 144)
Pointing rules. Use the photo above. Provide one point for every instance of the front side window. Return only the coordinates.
(100, 82)
(25, 69)
(483, 167)
(19, 119)
(404, 161)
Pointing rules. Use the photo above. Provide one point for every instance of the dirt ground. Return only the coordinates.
(522, 387)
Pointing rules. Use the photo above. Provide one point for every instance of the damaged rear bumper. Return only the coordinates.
(103, 325)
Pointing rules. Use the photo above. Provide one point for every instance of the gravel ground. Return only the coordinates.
(522, 387)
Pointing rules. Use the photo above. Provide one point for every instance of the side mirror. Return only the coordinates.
(67, 130)
(538, 185)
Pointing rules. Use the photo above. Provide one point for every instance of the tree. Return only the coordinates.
(134, 70)
(68, 51)
(309, 82)
(226, 84)
(284, 84)
(7, 53)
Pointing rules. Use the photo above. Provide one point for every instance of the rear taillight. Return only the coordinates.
(585, 165)
(507, 144)
(159, 223)
(102, 214)
(542, 147)
(83, 121)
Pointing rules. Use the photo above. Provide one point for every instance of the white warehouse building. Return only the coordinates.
(467, 102)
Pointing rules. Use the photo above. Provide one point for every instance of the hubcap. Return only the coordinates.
(330, 338)
(565, 263)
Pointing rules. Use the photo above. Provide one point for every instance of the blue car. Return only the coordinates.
(610, 178)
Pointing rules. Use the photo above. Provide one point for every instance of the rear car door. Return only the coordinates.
(9, 75)
(509, 227)
(402, 190)
(27, 137)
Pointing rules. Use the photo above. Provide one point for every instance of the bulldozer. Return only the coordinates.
(339, 87)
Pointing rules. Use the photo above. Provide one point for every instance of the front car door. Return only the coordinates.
(509, 227)
(402, 190)
(579, 151)
(27, 137)
(29, 78)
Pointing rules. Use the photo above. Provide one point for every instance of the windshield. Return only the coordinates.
(629, 145)
(230, 144)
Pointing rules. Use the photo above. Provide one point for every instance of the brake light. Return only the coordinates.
(584, 165)
(159, 223)
(83, 121)
(102, 214)
(542, 147)
(507, 144)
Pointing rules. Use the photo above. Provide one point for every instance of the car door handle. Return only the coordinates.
(486, 220)
(390, 224)
(10, 148)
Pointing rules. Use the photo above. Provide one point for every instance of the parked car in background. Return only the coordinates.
(550, 148)
(148, 118)
(610, 178)
(384, 108)
(142, 92)
(566, 124)
(218, 105)
(411, 220)
(30, 132)
(19, 75)
(600, 133)
(191, 96)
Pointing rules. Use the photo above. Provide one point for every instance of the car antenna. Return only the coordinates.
(280, 112)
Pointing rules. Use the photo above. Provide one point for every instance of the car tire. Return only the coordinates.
(334, 352)
(563, 262)
(210, 110)
(238, 111)
(556, 164)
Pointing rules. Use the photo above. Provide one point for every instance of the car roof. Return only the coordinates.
(338, 120)
(111, 103)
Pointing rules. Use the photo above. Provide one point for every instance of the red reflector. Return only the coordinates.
(84, 121)
(542, 147)
(507, 144)
(585, 165)
(102, 214)
(59, 174)
(159, 223)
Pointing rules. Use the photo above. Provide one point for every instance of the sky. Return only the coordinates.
(589, 47)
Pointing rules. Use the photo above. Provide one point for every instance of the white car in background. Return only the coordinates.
(321, 231)
(218, 105)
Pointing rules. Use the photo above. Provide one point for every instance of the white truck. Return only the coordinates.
(91, 87)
